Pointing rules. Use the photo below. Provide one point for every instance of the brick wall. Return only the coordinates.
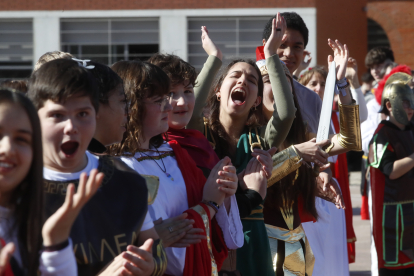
(20, 5)
(345, 21)
(397, 20)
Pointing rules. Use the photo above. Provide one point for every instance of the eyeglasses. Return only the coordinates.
(161, 102)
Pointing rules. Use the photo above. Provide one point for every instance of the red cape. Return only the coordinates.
(377, 180)
(197, 146)
(197, 258)
(340, 172)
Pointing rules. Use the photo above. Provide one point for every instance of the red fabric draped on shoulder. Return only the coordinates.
(8, 271)
(198, 257)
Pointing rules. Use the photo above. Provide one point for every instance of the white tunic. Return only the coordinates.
(171, 201)
(327, 238)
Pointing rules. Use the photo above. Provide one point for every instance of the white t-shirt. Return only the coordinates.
(60, 262)
(172, 201)
(93, 162)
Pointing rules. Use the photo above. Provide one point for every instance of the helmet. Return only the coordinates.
(398, 77)
(397, 93)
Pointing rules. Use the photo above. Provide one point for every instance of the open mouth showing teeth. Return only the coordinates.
(69, 148)
(6, 165)
(238, 97)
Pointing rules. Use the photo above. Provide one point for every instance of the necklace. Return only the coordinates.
(163, 170)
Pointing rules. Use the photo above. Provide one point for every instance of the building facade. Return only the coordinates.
(108, 31)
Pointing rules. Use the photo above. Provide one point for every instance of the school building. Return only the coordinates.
(109, 31)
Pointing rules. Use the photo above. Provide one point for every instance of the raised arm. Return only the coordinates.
(352, 76)
(284, 108)
(349, 136)
(205, 79)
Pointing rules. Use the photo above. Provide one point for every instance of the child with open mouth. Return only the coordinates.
(115, 220)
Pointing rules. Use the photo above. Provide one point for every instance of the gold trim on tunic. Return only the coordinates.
(200, 210)
(153, 183)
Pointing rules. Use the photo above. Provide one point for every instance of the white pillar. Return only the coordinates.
(46, 35)
(173, 35)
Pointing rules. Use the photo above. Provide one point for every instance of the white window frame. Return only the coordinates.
(173, 24)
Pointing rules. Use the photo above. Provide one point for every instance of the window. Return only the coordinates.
(110, 40)
(237, 37)
(16, 49)
(376, 35)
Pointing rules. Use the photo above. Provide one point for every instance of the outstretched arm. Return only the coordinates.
(284, 108)
(205, 79)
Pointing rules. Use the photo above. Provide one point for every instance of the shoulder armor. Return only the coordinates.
(153, 183)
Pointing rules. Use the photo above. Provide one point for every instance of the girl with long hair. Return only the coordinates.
(183, 187)
(235, 127)
(21, 195)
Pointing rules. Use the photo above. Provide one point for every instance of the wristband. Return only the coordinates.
(341, 85)
(212, 204)
(56, 247)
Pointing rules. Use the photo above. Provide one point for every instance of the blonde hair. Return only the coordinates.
(307, 76)
(49, 56)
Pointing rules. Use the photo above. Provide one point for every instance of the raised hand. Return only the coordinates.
(311, 151)
(341, 55)
(208, 45)
(255, 177)
(352, 73)
(265, 158)
(277, 37)
(304, 64)
(57, 228)
(173, 229)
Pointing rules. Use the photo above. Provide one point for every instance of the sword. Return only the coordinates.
(326, 111)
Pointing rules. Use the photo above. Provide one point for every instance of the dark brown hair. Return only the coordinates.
(27, 198)
(179, 71)
(141, 80)
(212, 112)
(107, 80)
(307, 76)
(305, 185)
(378, 55)
(60, 79)
(19, 85)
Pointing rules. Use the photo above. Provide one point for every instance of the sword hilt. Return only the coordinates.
(327, 149)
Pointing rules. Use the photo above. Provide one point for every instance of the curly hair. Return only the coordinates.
(293, 21)
(212, 111)
(307, 76)
(19, 85)
(179, 71)
(378, 55)
(141, 80)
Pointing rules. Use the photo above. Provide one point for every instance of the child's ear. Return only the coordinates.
(388, 106)
(258, 101)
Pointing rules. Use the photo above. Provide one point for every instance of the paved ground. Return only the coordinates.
(362, 264)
